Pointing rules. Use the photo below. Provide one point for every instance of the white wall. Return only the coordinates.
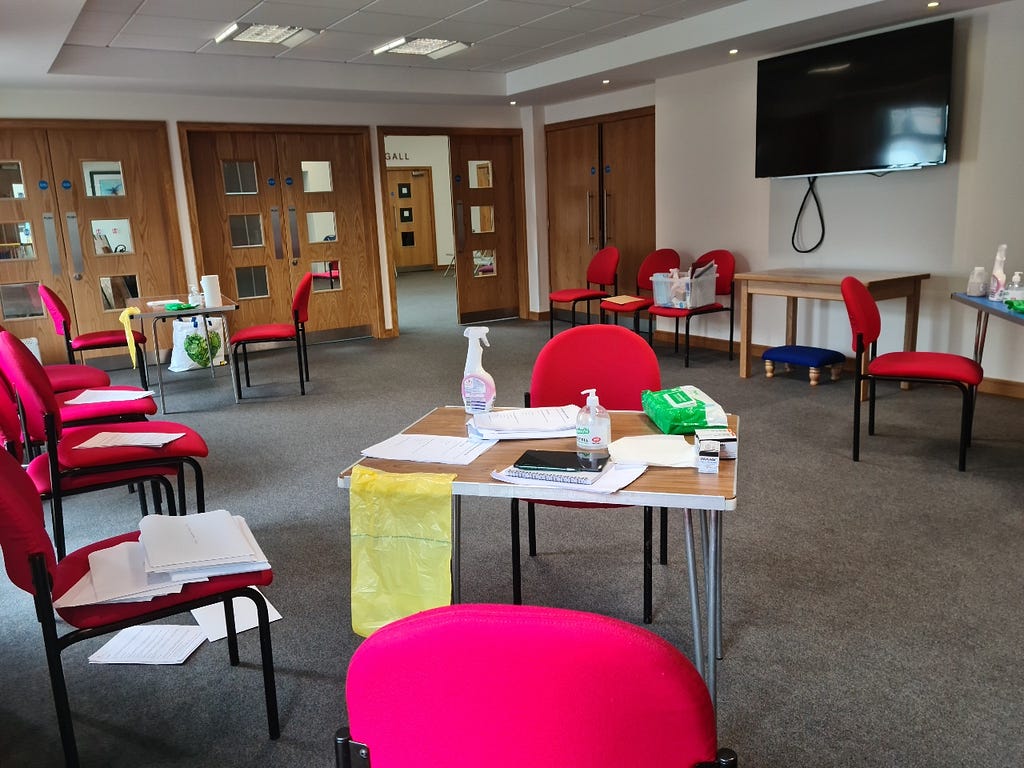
(942, 220)
(432, 152)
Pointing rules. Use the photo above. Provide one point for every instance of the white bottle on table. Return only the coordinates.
(593, 430)
(997, 285)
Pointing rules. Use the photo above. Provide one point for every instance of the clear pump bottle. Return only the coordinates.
(593, 430)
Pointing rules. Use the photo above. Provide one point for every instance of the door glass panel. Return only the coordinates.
(480, 174)
(316, 176)
(321, 226)
(112, 236)
(405, 190)
(481, 218)
(408, 239)
(18, 300)
(103, 178)
(11, 183)
(16, 240)
(252, 282)
(118, 291)
(405, 215)
(239, 177)
(246, 230)
(484, 264)
(326, 275)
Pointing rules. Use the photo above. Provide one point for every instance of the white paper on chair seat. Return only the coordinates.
(654, 450)
(211, 544)
(130, 439)
(90, 396)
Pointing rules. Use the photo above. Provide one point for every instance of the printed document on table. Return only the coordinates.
(137, 439)
(150, 644)
(525, 423)
(90, 396)
(436, 449)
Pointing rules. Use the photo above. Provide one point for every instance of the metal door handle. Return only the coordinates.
(590, 233)
(50, 230)
(607, 222)
(75, 241)
(275, 226)
(460, 227)
(293, 228)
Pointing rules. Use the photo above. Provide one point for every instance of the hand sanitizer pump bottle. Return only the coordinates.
(997, 285)
(593, 430)
(477, 384)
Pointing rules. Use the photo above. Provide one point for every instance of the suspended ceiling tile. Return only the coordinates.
(208, 10)
(633, 25)
(685, 9)
(236, 48)
(333, 42)
(531, 37)
(434, 9)
(96, 28)
(465, 32)
(291, 15)
(163, 27)
(578, 20)
(385, 25)
(125, 7)
(623, 6)
(157, 43)
(508, 12)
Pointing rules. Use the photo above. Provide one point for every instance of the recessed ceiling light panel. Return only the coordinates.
(266, 33)
(421, 46)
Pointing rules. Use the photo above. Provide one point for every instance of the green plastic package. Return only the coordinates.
(682, 410)
(401, 545)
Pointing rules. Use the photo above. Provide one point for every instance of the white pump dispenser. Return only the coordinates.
(593, 428)
(477, 384)
(997, 285)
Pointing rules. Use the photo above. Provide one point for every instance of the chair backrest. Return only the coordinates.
(725, 269)
(22, 531)
(10, 421)
(661, 260)
(610, 358)
(28, 378)
(58, 310)
(300, 303)
(507, 685)
(865, 321)
(604, 266)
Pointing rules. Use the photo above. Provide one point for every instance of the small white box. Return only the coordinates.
(728, 442)
(707, 456)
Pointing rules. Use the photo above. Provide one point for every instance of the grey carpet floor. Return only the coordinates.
(873, 612)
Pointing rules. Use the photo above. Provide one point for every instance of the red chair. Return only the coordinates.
(66, 469)
(619, 364)
(725, 268)
(94, 340)
(661, 260)
(921, 367)
(29, 558)
(466, 686)
(67, 376)
(275, 332)
(601, 272)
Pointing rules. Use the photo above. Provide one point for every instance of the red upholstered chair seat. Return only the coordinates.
(638, 305)
(676, 312)
(927, 365)
(39, 470)
(104, 339)
(190, 445)
(269, 332)
(576, 294)
(658, 261)
(65, 376)
(68, 571)
(121, 410)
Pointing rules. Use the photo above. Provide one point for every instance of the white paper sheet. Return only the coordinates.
(614, 478)
(150, 644)
(90, 396)
(545, 419)
(211, 540)
(654, 450)
(211, 617)
(139, 439)
(436, 449)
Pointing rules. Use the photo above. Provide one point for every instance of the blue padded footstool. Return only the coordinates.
(814, 358)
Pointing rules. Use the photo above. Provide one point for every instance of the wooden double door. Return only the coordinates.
(271, 203)
(87, 209)
(600, 176)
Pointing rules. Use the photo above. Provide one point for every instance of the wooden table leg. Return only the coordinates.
(746, 324)
(791, 310)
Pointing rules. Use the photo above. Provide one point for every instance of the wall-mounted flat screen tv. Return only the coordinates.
(876, 103)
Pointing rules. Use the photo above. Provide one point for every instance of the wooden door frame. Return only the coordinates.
(518, 193)
(373, 237)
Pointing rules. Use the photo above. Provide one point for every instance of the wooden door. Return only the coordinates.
(487, 259)
(627, 196)
(271, 206)
(97, 208)
(574, 212)
(411, 197)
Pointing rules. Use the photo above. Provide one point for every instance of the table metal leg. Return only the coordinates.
(159, 368)
(456, 538)
(711, 571)
(691, 573)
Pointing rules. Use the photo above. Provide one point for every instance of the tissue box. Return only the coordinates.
(684, 292)
(727, 441)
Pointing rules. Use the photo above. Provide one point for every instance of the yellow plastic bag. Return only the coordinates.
(401, 545)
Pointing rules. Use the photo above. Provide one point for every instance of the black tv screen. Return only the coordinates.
(877, 103)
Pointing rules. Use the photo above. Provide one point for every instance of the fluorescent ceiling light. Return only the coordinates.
(226, 33)
(388, 46)
(448, 50)
(266, 33)
(421, 46)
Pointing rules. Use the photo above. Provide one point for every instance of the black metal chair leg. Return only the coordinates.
(664, 536)
(232, 635)
(517, 574)
(648, 567)
(531, 528)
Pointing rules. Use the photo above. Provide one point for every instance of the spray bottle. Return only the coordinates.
(477, 384)
(997, 285)
(593, 430)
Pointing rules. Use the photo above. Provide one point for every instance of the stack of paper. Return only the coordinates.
(171, 552)
(435, 449)
(525, 423)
